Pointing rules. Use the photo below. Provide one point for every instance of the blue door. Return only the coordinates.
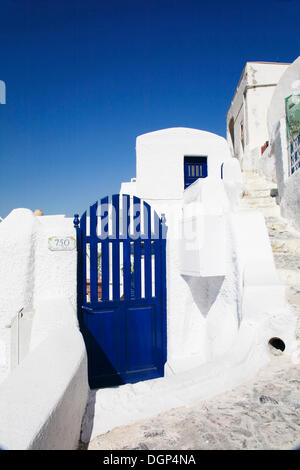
(194, 168)
(122, 290)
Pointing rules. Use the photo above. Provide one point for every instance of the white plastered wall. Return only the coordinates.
(17, 246)
(46, 414)
(160, 181)
(258, 100)
(266, 165)
(30, 272)
(55, 271)
(290, 201)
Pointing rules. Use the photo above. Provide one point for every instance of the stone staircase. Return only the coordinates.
(260, 195)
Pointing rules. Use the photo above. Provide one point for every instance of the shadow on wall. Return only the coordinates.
(88, 421)
(204, 290)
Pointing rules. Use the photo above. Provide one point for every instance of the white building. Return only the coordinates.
(247, 130)
(280, 162)
(213, 252)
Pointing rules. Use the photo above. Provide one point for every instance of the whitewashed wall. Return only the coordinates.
(290, 201)
(278, 149)
(55, 271)
(47, 412)
(17, 246)
(29, 271)
(267, 165)
(288, 190)
(43, 400)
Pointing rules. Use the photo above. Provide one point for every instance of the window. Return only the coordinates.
(294, 153)
(194, 168)
(231, 131)
(242, 134)
(222, 170)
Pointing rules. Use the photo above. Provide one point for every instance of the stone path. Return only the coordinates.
(263, 413)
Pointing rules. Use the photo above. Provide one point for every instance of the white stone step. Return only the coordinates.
(258, 201)
(271, 211)
(266, 211)
(290, 277)
(256, 185)
(285, 245)
(257, 193)
(276, 224)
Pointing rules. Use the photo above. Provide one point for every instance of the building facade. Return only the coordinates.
(247, 130)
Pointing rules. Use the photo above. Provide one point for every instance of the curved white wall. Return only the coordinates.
(287, 185)
(43, 400)
(160, 157)
(290, 201)
(276, 109)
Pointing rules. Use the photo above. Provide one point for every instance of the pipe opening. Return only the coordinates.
(277, 343)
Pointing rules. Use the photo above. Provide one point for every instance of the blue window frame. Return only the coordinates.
(222, 170)
(194, 168)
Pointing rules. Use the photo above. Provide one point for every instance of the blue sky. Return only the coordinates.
(85, 77)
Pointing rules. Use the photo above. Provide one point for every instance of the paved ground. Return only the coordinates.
(263, 413)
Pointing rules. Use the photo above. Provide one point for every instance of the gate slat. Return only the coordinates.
(157, 244)
(116, 247)
(147, 251)
(104, 249)
(137, 247)
(94, 252)
(83, 254)
(126, 247)
(137, 268)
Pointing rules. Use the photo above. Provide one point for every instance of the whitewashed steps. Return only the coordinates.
(284, 239)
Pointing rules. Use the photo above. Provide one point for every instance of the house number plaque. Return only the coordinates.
(61, 243)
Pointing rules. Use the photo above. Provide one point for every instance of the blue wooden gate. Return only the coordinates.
(122, 290)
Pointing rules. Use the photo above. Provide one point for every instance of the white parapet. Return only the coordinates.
(43, 400)
(17, 241)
